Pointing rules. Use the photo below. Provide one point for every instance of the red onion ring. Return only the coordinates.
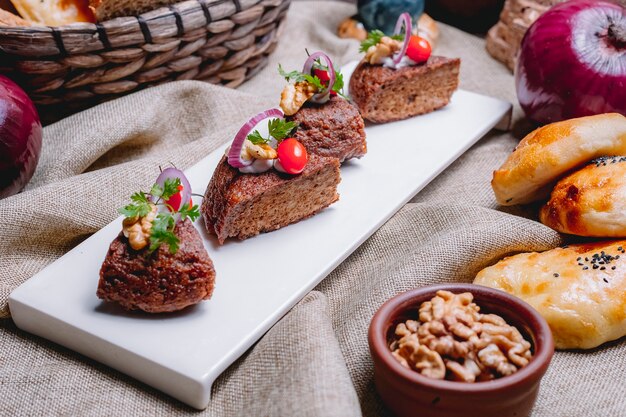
(403, 20)
(173, 173)
(234, 154)
(324, 95)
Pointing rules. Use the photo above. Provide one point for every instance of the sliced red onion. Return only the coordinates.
(324, 95)
(173, 173)
(403, 20)
(234, 154)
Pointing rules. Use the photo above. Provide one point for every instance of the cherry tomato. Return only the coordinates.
(292, 156)
(174, 203)
(419, 49)
(324, 78)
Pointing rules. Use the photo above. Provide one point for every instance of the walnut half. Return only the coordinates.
(293, 96)
(387, 46)
(137, 229)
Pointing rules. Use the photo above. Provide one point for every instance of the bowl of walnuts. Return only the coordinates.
(459, 350)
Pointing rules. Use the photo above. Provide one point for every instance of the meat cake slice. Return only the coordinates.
(244, 205)
(334, 128)
(385, 95)
(158, 282)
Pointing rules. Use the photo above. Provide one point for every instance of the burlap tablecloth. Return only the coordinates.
(315, 361)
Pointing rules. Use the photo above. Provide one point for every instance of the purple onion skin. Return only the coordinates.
(569, 66)
(20, 138)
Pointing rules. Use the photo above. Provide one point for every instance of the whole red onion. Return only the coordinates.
(20, 138)
(572, 62)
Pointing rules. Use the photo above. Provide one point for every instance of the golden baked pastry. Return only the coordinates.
(54, 12)
(10, 19)
(591, 201)
(551, 151)
(580, 290)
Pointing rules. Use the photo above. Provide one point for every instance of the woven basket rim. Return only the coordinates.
(149, 16)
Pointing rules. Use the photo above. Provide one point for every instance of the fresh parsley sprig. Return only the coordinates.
(139, 207)
(374, 37)
(298, 77)
(279, 129)
(170, 187)
(162, 230)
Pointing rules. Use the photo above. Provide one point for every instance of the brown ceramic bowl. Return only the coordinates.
(408, 393)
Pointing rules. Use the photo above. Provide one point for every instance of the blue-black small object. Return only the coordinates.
(383, 14)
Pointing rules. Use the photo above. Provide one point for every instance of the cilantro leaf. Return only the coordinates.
(156, 191)
(295, 76)
(298, 77)
(313, 79)
(374, 37)
(256, 138)
(192, 212)
(281, 129)
(139, 208)
(170, 187)
(162, 232)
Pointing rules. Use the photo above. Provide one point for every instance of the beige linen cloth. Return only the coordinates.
(315, 361)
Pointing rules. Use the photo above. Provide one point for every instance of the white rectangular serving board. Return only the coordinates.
(182, 353)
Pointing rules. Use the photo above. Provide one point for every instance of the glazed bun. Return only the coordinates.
(548, 153)
(580, 290)
(591, 201)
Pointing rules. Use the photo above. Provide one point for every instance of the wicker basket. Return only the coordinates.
(70, 68)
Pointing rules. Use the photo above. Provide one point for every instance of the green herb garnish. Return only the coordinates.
(374, 37)
(162, 230)
(279, 129)
(139, 207)
(298, 77)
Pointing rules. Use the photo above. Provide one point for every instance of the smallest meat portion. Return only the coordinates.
(160, 281)
(334, 129)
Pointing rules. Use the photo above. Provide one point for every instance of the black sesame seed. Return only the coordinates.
(580, 264)
(579, 258)
(605, 280)
(585, 268)
(596, 267)
(613, 267)
(586, 259)
(603, 268)
(556, 275)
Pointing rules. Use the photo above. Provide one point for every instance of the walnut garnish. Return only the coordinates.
(293, 96)
(376, 54)
(137, 229)
(258, 151)
(453, 340)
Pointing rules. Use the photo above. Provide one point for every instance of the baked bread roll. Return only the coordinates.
(580, 290)
(10, 19)
(590, 202)
(54, 12)
(549, 152)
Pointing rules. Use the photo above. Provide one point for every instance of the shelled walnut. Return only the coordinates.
(453, 340)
